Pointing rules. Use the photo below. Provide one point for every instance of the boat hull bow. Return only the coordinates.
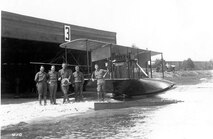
(138, 87)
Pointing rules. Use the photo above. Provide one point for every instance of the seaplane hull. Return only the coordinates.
(137, 87)
(134, 88)
(131, 93)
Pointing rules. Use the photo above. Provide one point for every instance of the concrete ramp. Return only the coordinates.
(133, 103)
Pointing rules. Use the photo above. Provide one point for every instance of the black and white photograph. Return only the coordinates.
(106, 69)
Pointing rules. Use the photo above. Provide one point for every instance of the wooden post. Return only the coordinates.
(162, 64)
(127, 59)
(139, 72)
(111, 68)
(66, 55)
(133, 65)
(147, 72)
(133, 70)
(150, 63)
(87, 58)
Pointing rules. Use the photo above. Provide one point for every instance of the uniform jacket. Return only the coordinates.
(53, 77)
(78, 77)
(67, 73)
(40, 77)
(98, 74)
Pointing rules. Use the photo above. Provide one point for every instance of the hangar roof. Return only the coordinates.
(29, 28)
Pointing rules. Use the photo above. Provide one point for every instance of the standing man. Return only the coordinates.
(65, 76)
(100, 74)
(52, 80)
(41, 83)
(78, 84)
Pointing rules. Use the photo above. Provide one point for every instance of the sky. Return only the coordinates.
(181, 29)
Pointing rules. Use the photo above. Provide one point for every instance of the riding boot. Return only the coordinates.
(76, 97)
(81, 98)
(68, 101)
(103, 96)
(64, 99)
(39, 98)
(45, 100)
(98, 94)
(51, 100)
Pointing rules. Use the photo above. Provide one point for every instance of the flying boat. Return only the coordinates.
(126, 79)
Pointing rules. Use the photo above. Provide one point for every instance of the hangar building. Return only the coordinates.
(27, 39)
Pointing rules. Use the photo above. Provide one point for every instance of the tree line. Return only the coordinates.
(187, 64)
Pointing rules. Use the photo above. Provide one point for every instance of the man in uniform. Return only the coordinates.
(99, 75)
(41, 83)
(78, 84)
(52, 80)
(65, 76)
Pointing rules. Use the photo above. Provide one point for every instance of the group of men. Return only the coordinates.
(67, 77)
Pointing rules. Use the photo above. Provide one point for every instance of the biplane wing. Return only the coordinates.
(102, 50)
(84, 44)
(99, 49)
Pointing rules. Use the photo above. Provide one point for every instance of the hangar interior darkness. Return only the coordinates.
(17, 72)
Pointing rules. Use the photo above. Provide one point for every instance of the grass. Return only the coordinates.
(185, 77)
